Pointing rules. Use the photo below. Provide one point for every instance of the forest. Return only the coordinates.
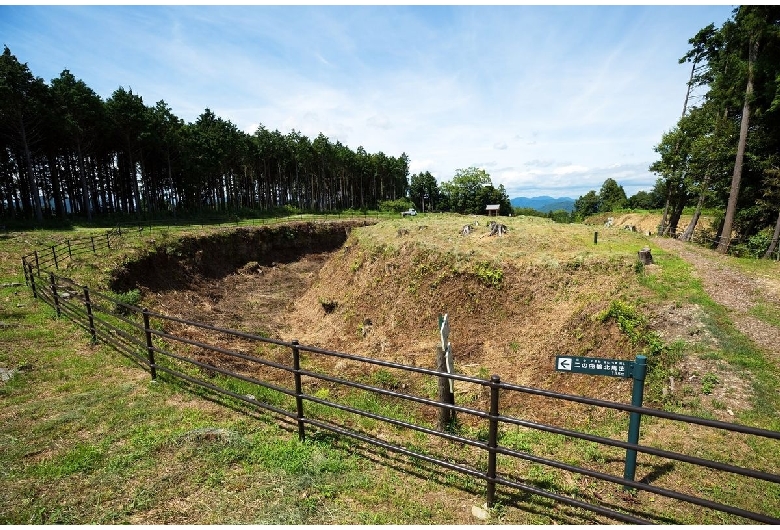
(66, 152)
(724, 152)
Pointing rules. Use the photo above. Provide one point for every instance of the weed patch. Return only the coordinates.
(489, 274)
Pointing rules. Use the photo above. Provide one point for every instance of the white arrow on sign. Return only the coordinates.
(564, 363)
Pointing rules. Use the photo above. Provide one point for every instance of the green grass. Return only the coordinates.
(675, 283)
(767, 313)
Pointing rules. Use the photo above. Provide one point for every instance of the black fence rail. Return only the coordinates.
(391, 406)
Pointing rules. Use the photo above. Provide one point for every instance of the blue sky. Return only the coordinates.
(549, 100)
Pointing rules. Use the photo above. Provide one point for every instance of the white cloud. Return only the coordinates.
(583, 92)
(569, 169)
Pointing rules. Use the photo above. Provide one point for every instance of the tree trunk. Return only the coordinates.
(686, 236)
(773, 244)
(666, 229)
(35, 195)
(134, 182)
(85, 199)
(679, 206)
(56, 188)
(662, 226)
(172, 195)
(731, 208)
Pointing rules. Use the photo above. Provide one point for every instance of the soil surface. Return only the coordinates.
(385, 306)
(739, 293)
(735, 290)
(256, 299)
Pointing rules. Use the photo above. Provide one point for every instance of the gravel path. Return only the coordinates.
(739, 292)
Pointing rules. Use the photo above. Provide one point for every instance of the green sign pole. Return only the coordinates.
(639, 372)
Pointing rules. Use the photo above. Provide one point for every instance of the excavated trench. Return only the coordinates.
(246, 279)
(276, 281)
(193, 260)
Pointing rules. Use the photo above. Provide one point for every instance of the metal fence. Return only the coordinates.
(390, 406)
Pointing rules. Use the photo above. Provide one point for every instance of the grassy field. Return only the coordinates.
(87, 438)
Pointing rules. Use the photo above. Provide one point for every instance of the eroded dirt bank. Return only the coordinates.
(192, 260)
(318, 284)
(385, 303)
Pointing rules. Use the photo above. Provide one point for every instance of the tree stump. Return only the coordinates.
(497, 228)
(645, 256)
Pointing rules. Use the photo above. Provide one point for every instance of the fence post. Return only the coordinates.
(37, 264)
(637, 394)
(54, 253)
(92, 238)
(149, 345)
(595, 238)
(32, 281)
(70, 253)
(108, 240)
(88, 304)
(298, 390)
(54, 294)
(446, 396)
(24, 268)
(495, 381)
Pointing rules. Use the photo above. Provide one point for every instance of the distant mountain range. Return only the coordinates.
(543, 204)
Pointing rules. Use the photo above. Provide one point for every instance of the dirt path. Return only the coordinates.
(739, 292)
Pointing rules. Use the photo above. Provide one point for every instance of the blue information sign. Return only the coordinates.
(594, 366)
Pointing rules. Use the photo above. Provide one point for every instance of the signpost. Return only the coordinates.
(594, 366)
(636, 370)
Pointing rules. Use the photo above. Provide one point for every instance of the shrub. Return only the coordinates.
(628, 319)
(129, 298)
(396, 206)
(488, 274)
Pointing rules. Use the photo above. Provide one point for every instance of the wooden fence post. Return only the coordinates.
(495, 381)
(32, 281)
(444, 364)
(298, 390)
(88, 305)
(54, 294)
(446, 396)
(54, 253)
(149, 345)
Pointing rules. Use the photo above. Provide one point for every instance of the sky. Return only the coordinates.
(549, 100)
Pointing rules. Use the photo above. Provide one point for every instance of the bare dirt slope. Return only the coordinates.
(382, 300)
(646, 222)
(509, 318)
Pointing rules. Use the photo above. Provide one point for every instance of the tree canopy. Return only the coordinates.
(723, 152)
(471, 190)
